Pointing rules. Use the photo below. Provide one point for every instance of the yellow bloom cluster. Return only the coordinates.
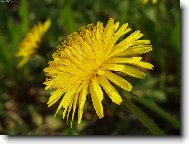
(31, 42)
(146, 1)
(87, 62)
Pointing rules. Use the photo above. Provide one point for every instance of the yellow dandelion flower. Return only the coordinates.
(87, 62)
(146, 1)
(30, 44)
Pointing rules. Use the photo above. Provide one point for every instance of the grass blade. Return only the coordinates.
(142, 117)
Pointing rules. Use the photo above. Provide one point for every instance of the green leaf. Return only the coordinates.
(24, 15)
(155, 95)
(175, 37)
(67, 20)
(161, 112)
(142, 117)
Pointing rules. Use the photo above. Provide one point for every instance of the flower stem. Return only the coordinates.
(142, 117)
(154, 107)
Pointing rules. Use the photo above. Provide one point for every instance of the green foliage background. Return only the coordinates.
(23, 108)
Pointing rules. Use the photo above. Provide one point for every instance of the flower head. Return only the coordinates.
(146, 1)
(87, 62)
(30, 44)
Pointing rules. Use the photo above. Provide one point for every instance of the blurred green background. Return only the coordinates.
(23, 108)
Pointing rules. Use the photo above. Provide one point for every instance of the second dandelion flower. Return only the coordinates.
(30, 44)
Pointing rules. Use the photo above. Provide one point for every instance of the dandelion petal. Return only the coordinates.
(118, 80)
(126, 69)
(97, 95)
(82, 98)
(74, 106)
(110, 90)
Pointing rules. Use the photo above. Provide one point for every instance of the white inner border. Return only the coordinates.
(184, 139)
